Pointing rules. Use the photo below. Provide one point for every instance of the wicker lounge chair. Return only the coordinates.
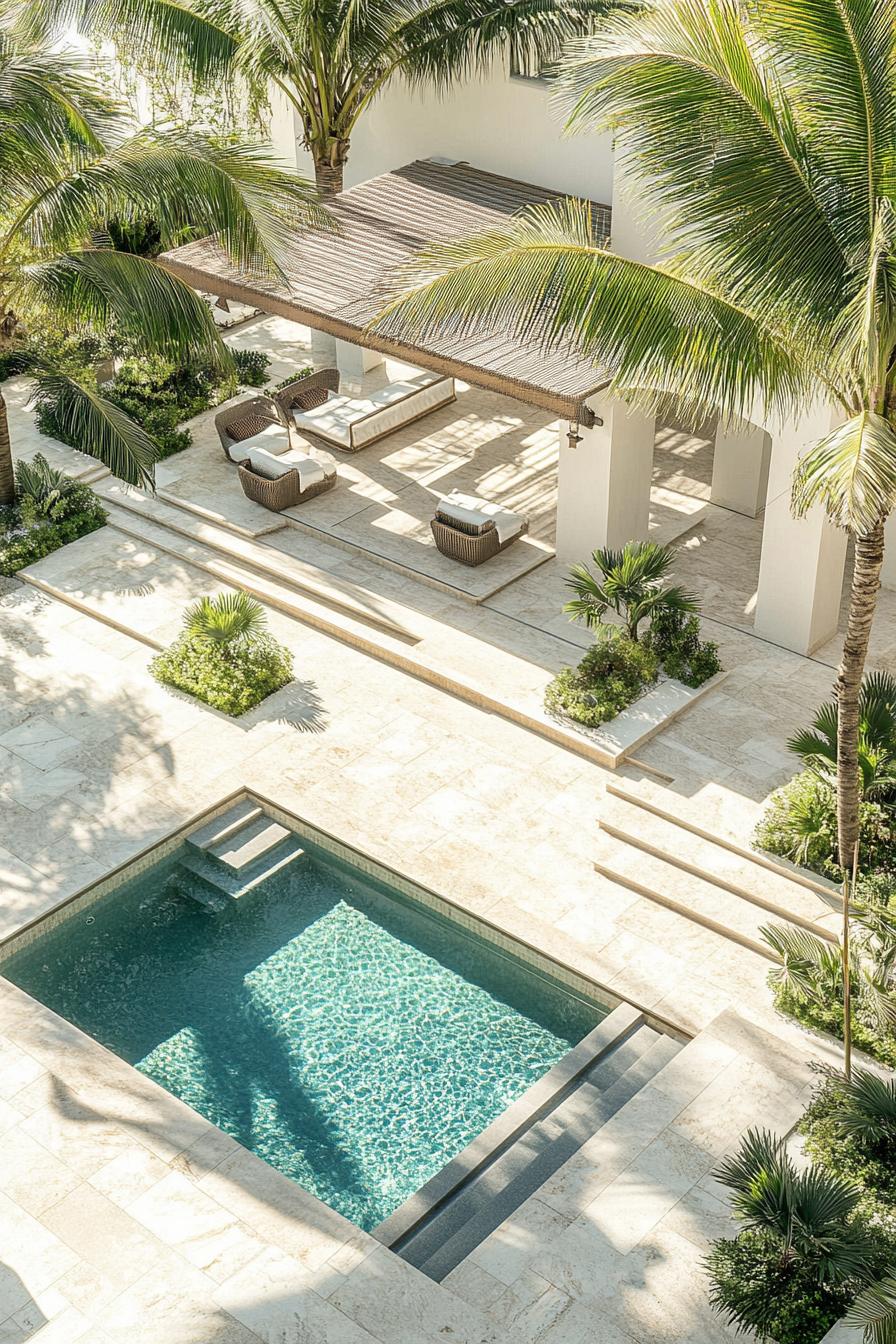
(285, 492)
(244, 419)
(472, 542)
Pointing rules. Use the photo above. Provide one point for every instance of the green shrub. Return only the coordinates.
(612, 674)
(828, 1017)
(291, 377)
(867, 1157)
(780, 1299)
(674, 636)
(800, 824)
(233, 683)
(252, 367)
(49, 512)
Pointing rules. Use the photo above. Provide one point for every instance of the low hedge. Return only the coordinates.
(870, 1162)
(233, 681)
(829, 1018)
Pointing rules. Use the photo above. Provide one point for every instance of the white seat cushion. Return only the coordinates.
(473, 510)
(272, 439)
(266, 464)
(351, 421)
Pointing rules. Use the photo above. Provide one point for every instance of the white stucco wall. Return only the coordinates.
(500, 124)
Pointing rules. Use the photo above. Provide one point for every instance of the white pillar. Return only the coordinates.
(353, 361)
(801, 569)
(634, 229)
(888, 573)
(323, 350)
(740, 467)
(603, 496)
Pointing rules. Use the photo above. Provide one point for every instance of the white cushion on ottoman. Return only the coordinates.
(473, 510)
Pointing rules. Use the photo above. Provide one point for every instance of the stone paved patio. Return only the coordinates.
(123, 1216)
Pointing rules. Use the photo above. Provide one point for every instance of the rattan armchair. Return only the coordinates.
(286, 491)
(468, 546)
(245, 418)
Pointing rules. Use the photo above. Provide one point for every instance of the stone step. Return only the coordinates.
(288, 572)
(464, 1221)
(248, 844)
(233, 885)
(225, 825)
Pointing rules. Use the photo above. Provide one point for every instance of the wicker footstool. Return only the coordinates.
(285, 492)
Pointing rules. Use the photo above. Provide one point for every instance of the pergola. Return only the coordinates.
(336, 281)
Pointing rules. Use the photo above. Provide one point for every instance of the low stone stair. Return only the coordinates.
(714, 882)
(631, 1055)
(234, 853)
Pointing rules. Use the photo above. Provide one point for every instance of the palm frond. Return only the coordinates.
(229, 618)
(874, 1311)
(97, 427)
(100, 287)
(866, 1106)
(851, 472)
(542, 278)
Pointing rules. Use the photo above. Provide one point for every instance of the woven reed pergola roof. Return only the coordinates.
(336, 280)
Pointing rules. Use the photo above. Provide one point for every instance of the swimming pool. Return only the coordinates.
(345, 1033)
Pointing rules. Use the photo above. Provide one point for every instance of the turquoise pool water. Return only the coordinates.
(349, 1038)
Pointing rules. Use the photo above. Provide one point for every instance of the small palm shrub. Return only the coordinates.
(800, 824)
(817, 746)
(50, 510)
(805, 1249)
(612, 674)
(225, 657)
(630, 582)
(809, 982)
(850, 1127)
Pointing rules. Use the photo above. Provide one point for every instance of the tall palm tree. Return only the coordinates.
(331, 58)
(760, 133)
(69, 161)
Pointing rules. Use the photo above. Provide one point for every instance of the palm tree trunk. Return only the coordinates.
(7, 476)
(869, 556)
(329, 162)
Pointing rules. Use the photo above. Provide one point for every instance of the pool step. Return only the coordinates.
(211, 882)
(252, 841)
(226, 825)
(439, 1242)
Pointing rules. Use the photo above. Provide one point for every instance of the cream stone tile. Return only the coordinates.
(30, 1174)
(273, 1296)
(103, 1235)
(393, 1301)
(201, 1230)
(129, 1175)
(171, 1302)
(33, 1257)
(511, 1247)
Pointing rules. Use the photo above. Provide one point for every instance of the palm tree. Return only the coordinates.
(807, 1213)
(69, 161)
(760, 135)
(631, 583)
(331, 58)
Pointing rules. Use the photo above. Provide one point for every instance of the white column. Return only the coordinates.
(740, 466)
(353, 361)
(603, 496)
(634, 230)
(323, 350)
(888, 573)
(801, 569)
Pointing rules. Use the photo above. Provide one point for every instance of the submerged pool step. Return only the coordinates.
(251, 842)
(471, 1213)
(225, 825)
(209, 881)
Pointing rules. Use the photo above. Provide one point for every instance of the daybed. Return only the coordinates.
(352, 423)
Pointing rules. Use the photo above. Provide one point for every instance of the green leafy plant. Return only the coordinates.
(850, 1127)
(674, 636)
(630, 582)
(809, 981)
(612, 674)
(50, 511)
(817, 746)
(252, 367)
(800, 824)
(43, 491)
(804, 1250)
(224, 656)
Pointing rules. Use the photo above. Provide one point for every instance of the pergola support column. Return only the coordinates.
(803, 559)
(740, 467)
(353, 361)
(323, 349)
(603, 496)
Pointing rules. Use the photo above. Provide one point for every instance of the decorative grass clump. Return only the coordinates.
(224, 657)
